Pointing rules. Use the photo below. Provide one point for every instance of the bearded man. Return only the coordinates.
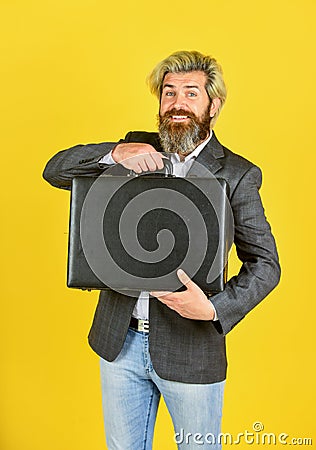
(173, 343)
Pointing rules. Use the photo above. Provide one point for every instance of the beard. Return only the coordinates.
(183, 138)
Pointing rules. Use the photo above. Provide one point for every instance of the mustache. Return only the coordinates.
(178, 112)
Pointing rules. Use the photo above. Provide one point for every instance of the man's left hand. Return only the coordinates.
(191, 303)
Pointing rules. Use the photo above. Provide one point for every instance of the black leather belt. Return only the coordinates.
(139, 325)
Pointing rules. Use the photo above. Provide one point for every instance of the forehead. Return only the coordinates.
(186, 79)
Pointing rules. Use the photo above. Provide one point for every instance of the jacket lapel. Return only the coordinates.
(209, 158)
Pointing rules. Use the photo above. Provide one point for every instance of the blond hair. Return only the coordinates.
(189, 61)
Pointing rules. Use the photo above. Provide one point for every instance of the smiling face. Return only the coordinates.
(185, 112)
(184, 92)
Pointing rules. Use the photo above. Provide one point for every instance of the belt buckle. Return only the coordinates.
(143, 325)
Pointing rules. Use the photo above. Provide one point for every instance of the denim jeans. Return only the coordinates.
(131, 391)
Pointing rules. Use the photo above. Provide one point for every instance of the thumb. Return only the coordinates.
(184, 278)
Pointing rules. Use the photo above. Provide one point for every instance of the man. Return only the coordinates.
(183, 356)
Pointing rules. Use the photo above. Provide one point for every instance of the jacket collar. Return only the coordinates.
(209, 157)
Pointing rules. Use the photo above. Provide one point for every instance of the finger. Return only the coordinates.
(160, 293)
(142, 164)
(158, 159)
(135, 167)
(151, 163)
(132, 163)
(146, 163)
(184, 278)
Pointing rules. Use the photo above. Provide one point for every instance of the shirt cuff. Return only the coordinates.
(107, 159)
(215, 313)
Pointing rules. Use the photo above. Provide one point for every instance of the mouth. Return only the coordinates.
(176, 118)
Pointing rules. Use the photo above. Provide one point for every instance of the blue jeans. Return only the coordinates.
(131, 391)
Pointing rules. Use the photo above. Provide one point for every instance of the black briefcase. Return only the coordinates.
(133, 233)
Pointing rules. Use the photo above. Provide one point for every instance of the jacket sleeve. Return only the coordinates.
(84, 159)
(255, 245)
(75, 161)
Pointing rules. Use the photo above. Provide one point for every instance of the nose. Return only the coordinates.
(179, 102)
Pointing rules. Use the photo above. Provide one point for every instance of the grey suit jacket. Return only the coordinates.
(181, 349)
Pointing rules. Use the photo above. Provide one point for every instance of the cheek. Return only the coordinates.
(163, 106)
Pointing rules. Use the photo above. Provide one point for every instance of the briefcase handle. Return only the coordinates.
(166, 171)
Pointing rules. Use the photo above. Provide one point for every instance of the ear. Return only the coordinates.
(216, 103)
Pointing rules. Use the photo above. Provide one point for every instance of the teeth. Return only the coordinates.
(179, 117)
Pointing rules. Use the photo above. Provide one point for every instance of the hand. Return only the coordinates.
(192, 303)
(138, 157)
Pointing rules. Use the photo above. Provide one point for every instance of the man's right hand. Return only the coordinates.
(138, 157)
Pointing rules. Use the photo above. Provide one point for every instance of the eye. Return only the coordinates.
(169, 94)
(192, 94)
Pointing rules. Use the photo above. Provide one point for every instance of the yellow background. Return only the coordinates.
(74, 72)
